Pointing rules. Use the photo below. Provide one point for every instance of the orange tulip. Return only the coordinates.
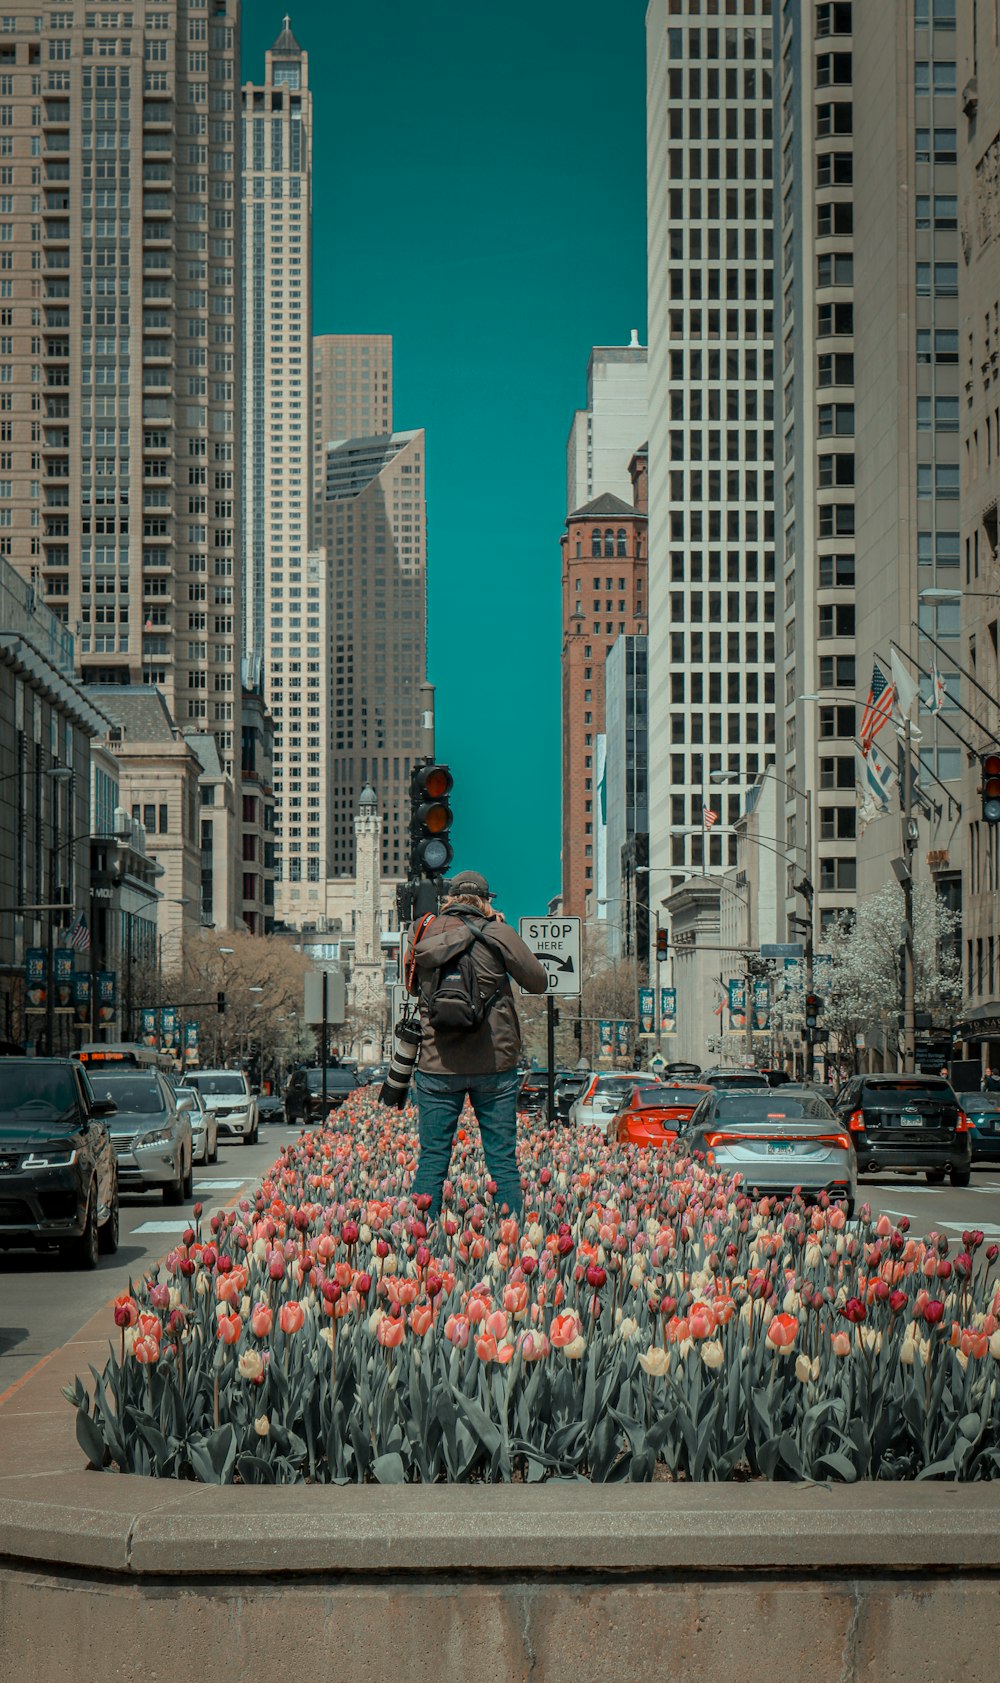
(701, 1320)
(291, 1317)
(841, 1343)
(229, 1328)
(390, 1333)
(564, 1329)
(146, 1349)
(421, 1318)
(261, 1320)
(782, 1331)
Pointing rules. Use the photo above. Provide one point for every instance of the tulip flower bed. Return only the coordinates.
(646, 1318)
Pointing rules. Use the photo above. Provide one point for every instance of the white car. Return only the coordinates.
(601, 1097)
(228, 1095)
(204, 1130)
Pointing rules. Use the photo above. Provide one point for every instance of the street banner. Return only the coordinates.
(81, 998)
(762, 1005)
(605, 1037)
(736, 991)
(147, 1025)
(622, 1036)
(668, 1010)
(62, 978)
(106, 996)
(191, 1043)
(168, 1029)
(36, 992)
(647, 1018)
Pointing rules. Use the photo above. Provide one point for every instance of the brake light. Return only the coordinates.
(856, 1122)
(963, 1125)
(843, 1141)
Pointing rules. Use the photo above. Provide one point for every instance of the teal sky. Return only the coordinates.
(479, 193)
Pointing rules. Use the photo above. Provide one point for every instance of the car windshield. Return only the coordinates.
(672, 1095)
(738, 1080)
(41, 1090)
(981, 1103)
(338, 1076)
(135, 1093)
(215, 1086)
(773, 1107)
(909, 1092)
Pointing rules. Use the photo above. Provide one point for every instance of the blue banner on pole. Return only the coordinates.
(668, 1010)
(646, 1011)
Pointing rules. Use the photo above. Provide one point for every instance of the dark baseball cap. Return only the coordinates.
(469, 882)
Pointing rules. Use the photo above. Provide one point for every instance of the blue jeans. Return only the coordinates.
(440, 1099)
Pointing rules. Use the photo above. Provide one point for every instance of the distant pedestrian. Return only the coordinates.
(991, 1081)
(459, 964)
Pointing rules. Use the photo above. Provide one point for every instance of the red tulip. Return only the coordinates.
(897, 1301)
(126, 1311)
(854, 1311)
(933, 1311)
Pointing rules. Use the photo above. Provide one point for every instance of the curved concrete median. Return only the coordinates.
(128, 1578)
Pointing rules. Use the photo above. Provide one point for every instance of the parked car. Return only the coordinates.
(304, 1093)
(777, 1141)
(734, 1079)
(151, 1136)
(909, 1123)
(270, 1108)
(58, 1175)
(652, 1114)
(600, 1098)
(983, 1111)
(230, 1097)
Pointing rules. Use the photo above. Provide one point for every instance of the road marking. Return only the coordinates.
(163, 1226)
(223, 1185)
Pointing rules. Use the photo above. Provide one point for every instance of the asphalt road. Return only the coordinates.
(43, 1303)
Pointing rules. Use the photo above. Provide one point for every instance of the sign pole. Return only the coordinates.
(550, 1027)
(323, 1037)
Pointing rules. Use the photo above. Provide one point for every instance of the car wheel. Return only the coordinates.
(173, 1190)
(108, 1232)
(82, 1252)
(251, 1138)
(213, 1155)
(188, 1188)
(934, 1177)
(960, 1177)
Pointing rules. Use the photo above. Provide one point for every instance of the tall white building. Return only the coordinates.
(606, 435)
(284, 594)
(711, 424)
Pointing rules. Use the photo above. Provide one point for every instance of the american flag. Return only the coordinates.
(77, 935)
(878, 707)
(709, 816)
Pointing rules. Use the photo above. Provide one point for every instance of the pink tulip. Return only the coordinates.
(146, 1350)
(841, 1343)
(390, 1333)
(291, 1317)
(276, 1266)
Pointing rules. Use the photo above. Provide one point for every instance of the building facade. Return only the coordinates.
(120, 279)
(626, 796)
(351, 398)
(605, 575)
(978, 576)
(257, 814)
(606, 434)
(711, 422)
(375, 535)
(284, 602)
(907, 399)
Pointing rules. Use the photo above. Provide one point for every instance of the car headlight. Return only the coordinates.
(160, 1136)
(49, 1160)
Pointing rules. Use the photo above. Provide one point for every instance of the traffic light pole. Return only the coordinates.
(909, 846)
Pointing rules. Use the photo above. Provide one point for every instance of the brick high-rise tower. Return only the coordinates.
(605, 570)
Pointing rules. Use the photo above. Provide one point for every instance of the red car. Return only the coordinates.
(652, 1115)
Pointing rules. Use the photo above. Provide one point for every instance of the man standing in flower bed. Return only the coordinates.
(468, 946)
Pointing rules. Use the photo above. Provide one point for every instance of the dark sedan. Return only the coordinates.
(983, 1111)
(58, 1181)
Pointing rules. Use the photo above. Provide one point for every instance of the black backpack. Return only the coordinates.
(454, 1001)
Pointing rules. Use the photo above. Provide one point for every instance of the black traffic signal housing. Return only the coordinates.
(990, 787)
(662, 945)
(220, 1001)
(430, 820)
(814, 1006)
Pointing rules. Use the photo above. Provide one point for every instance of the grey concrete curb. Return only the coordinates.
(146, 1527)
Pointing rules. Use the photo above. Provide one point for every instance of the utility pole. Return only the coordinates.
(810, 953)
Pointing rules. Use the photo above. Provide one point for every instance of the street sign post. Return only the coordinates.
(781, 949)
(555, 942)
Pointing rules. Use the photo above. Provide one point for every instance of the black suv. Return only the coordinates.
(907, 1122)
(304, 1093)
(58, 1174)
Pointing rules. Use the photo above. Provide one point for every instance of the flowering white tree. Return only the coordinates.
(865, 976)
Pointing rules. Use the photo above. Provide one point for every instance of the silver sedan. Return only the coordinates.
(776, 1141)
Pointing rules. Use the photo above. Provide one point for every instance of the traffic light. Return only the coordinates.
(990, 768)
(814, 1006)
(662, 945)
(220, 1002)
(430, 820)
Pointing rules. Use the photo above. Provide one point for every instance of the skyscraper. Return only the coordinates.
(711, 439)
(352, 397)
(606, 434)
(285, 601)
(119, 359)
(374, 532)
(814, 100)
